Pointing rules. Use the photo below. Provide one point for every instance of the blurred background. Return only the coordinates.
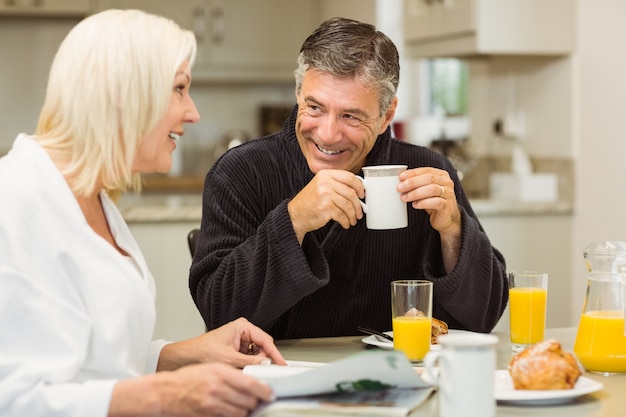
(524, 96)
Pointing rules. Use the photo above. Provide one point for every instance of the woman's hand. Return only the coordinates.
(203, 390)
(238, 343)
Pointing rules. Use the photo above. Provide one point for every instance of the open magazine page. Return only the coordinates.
(374, 382)
(398, 402)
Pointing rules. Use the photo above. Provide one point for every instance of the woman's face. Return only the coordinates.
(155, 150)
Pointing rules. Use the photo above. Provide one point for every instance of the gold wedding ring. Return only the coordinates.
(443, 190)
(252, 347)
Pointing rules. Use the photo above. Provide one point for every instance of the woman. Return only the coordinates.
(76, 297)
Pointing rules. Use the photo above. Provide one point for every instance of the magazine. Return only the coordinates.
(375, 383)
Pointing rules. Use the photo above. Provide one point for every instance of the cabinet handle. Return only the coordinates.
(217, 25)
(198, 23)
(27, 3)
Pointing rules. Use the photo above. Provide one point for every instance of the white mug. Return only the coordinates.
(383, 207)
(465, 376)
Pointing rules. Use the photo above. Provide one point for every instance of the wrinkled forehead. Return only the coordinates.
(328, 89)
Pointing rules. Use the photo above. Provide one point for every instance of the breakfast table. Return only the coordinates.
(610, 401)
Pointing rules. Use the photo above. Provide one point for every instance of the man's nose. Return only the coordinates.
(329, 130)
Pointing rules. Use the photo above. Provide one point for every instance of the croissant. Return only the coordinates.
(544, 366)
(438, 328)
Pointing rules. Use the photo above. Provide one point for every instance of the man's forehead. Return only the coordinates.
(350, 94)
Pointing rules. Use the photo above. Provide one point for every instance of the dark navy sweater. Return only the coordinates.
(249, 263)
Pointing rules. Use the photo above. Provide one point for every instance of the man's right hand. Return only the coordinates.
(331, 195)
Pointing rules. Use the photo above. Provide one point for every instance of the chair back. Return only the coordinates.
(192, 239)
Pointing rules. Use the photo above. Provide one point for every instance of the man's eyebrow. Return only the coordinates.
(355, 110)
(312, 99)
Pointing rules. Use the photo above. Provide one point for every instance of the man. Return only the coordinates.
(283, 242)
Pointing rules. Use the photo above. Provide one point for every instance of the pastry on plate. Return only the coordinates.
(438, 328)
(544, 366)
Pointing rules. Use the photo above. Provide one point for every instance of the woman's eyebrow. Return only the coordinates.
(185, 73)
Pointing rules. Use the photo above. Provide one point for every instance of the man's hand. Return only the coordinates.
(331, 195)
(432, 189)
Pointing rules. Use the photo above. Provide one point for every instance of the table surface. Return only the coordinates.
(608, 402)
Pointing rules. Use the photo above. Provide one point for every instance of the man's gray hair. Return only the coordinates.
(346, 48)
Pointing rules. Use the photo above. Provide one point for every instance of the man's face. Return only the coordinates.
(338, 121)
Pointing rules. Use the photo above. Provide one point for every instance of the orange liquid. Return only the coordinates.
(600, 343)
(528, 314)
(411, 335)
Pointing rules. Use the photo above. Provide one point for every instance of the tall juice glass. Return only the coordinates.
(528, 294)
(411, 313)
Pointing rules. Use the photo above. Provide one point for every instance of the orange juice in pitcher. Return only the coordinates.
(601, 339)
(600, 343)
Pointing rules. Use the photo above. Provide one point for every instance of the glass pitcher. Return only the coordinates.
(601, 339)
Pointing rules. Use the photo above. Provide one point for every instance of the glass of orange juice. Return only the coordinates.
(528, 294)
(411, 313)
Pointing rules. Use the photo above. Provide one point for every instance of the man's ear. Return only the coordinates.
(389, 114)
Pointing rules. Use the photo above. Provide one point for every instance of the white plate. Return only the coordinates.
(388, 344)
(378, 341)
(504, 391)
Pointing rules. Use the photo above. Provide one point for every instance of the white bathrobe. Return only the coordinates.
(75, 314)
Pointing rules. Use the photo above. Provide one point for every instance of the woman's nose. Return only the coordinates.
(192, 115)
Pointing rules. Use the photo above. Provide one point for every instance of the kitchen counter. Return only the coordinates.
(159, 207)
(166, 207)
(484, 208)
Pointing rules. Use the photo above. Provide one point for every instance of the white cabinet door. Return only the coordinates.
(424, 19)
(238, 40)
(45, 7)
(537, 243)
(164, 245)
(180, 11)
(456, 17)
(460, 28)
(265, 33)
(419, 20)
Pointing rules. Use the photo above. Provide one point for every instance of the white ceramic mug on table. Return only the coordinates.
(465, 377)
(383, 207)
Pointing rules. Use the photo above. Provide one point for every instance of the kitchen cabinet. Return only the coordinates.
(431, 19)
(238, 40)
(45, 7)
(164, 245)
(437, 28)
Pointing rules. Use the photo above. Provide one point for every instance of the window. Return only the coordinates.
(447, 87)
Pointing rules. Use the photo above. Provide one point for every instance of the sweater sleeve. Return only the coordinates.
(248, 261)
(474, 295)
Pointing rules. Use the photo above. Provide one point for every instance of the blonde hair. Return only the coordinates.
(110, 83)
